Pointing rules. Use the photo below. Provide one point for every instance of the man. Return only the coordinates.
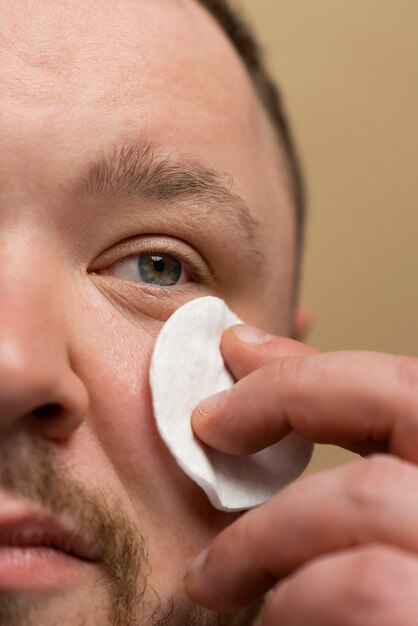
(139, 169)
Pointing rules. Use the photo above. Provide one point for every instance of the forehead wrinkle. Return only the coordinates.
(137, 170)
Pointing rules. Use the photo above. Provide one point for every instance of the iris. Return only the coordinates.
(159, 269)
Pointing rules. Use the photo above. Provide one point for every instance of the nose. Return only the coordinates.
(38, 387)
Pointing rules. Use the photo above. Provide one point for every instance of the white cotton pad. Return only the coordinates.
(186, 367)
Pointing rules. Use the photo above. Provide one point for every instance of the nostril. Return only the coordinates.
(47, 411)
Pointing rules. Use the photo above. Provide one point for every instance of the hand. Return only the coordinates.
(341, 547)
(363, 401)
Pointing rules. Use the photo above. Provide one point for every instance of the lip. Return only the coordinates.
(27, 526)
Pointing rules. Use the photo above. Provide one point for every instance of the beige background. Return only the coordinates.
(349, 73)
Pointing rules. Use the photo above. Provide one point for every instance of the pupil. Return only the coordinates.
(159, 269)
(158, 264)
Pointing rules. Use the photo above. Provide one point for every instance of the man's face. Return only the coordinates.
(137, 171)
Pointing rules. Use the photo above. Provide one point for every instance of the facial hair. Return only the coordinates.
(29, 468)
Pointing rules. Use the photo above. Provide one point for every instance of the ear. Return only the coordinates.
(302, 323)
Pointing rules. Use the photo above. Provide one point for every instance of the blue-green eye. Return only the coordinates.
(159, 269)
(152, 268)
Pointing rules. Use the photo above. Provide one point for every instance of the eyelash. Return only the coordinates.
(197, 272)
(194, 271)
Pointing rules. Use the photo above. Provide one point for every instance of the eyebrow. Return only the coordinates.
(136, 170)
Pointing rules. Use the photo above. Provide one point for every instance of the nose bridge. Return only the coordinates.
(30, 320)
(35, 370)
(29, 343)
(31, 283)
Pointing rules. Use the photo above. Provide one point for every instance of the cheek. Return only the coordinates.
(114, 363)
(121, 414)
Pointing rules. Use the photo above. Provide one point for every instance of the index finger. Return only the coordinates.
(351, 399)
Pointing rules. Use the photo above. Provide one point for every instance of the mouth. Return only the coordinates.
(47, 533)
(40, 549)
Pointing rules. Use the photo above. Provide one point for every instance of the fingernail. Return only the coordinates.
(251, 335)
(213, 402)
(196, 566)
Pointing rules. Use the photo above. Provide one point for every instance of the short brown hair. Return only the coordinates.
(245, 43)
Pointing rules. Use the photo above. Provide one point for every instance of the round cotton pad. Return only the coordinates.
(186, 367)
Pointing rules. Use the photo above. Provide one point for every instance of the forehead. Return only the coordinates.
(127, 45)
(81, 76)
(101, 69)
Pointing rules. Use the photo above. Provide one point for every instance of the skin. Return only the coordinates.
(77, 79)
(351, 558)
(77, 432)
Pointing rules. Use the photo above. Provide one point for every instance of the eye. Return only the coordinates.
(152, 268)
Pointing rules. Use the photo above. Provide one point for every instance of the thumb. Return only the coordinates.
(246, 348)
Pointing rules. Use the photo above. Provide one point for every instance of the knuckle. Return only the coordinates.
(289, 368)
(374, 577)
(291, 374)
(408, 374)
(370, 482)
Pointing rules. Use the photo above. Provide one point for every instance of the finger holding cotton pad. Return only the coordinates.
(187, 367)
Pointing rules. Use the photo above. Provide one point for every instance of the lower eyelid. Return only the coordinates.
(198, 268)
(187, 274)
(197, 271)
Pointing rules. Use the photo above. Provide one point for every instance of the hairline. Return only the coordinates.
(240, 35)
